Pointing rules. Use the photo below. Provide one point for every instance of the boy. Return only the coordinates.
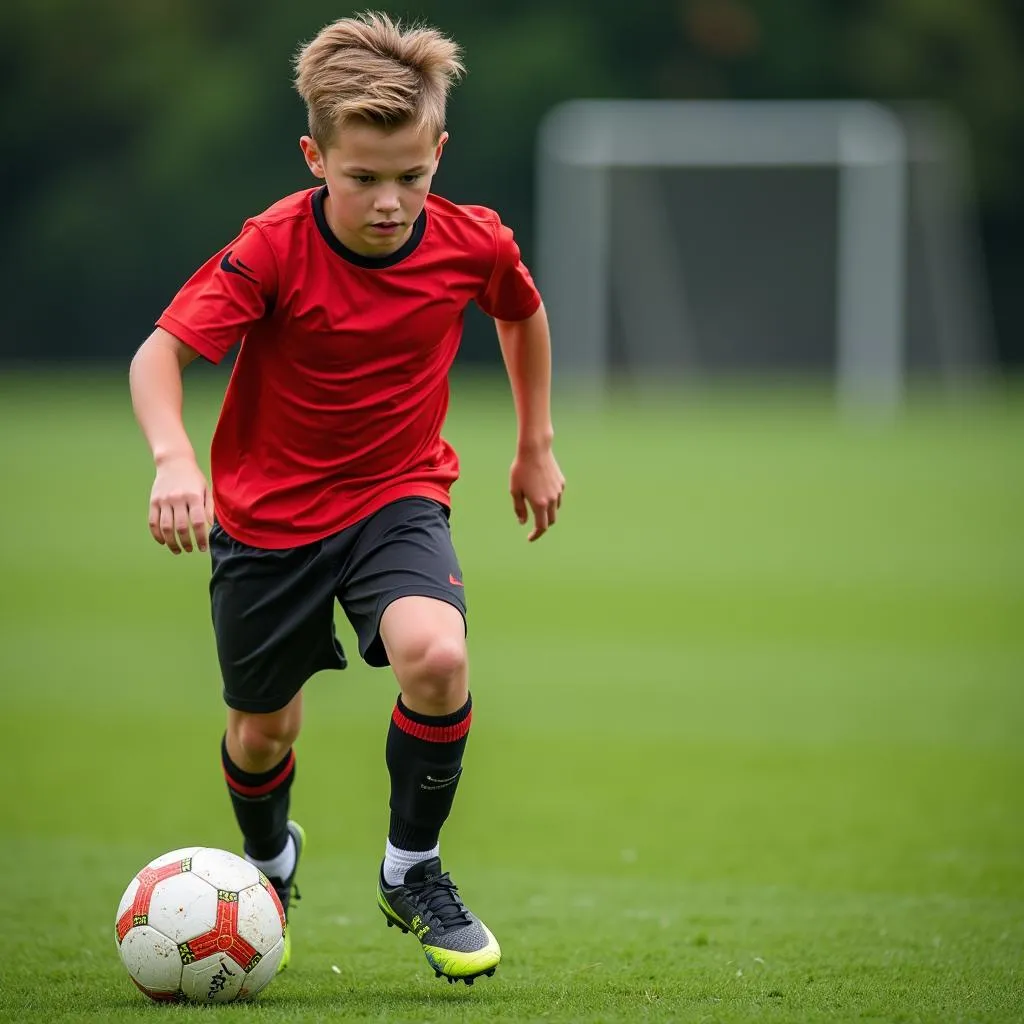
(330, 476)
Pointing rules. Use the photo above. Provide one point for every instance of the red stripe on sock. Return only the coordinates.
(267, 787)
(431, 733)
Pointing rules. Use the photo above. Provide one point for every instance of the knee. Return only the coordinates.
(434, 668)
(444, 659)
(439, 659)
(264, 739)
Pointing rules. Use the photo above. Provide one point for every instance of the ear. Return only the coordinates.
(314, 158)
(440, 147)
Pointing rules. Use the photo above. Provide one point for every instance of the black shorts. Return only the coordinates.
(273, 610)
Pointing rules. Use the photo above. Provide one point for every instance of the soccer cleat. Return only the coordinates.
(427, 903)
(287, 890)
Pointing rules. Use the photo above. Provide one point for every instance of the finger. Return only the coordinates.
(552, 512)
(209, 506)
(167, 528)
(519, 504)
(197, 514)
(181, 524)
(540, 522)
(154, 522)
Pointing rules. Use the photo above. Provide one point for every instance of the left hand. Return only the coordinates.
(536, 481)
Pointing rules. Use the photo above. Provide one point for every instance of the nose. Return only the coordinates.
(386, 202)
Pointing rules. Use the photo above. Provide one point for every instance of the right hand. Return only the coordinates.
(180, 504)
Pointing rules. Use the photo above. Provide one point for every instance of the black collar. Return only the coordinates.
(368, 262)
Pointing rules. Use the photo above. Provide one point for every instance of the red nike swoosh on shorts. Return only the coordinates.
(453, 581)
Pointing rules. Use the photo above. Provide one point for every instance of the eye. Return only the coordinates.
(363, 179)
(410, 179)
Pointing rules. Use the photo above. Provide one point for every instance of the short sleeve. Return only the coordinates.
(234, 289)
(510, 293)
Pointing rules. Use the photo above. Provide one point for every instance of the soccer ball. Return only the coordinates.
(200, 925)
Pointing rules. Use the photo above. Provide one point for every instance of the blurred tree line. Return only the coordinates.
(138, 134)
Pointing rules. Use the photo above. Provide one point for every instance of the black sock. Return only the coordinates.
(260, 801)
(424, 756)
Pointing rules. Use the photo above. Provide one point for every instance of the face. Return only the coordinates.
(377, 182)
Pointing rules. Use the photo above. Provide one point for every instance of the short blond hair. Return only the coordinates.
(369, 68)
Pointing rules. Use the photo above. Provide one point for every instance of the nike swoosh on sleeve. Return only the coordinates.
(238, 267)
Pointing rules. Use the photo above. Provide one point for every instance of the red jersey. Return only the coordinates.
(340, 389)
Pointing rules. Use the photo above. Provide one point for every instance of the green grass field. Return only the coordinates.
(748, 731)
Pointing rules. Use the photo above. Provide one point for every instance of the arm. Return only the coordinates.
(535, 478)
(181, 499)
(526, 350)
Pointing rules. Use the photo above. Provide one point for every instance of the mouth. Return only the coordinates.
(386, 226)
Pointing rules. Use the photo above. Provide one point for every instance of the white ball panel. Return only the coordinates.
(151, 959)
(174, 855)
(224, 870)
(183, 907)
(214, 979)
(263, 973)
(258, 920)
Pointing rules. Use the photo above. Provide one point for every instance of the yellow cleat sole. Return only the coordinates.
(446, 963)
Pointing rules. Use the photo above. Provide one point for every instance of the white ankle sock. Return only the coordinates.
(281, 866)
(397, 862)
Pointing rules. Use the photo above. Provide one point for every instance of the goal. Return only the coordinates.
(760, 237)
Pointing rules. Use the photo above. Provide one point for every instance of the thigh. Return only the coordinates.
(403, 550)
(273, 617)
